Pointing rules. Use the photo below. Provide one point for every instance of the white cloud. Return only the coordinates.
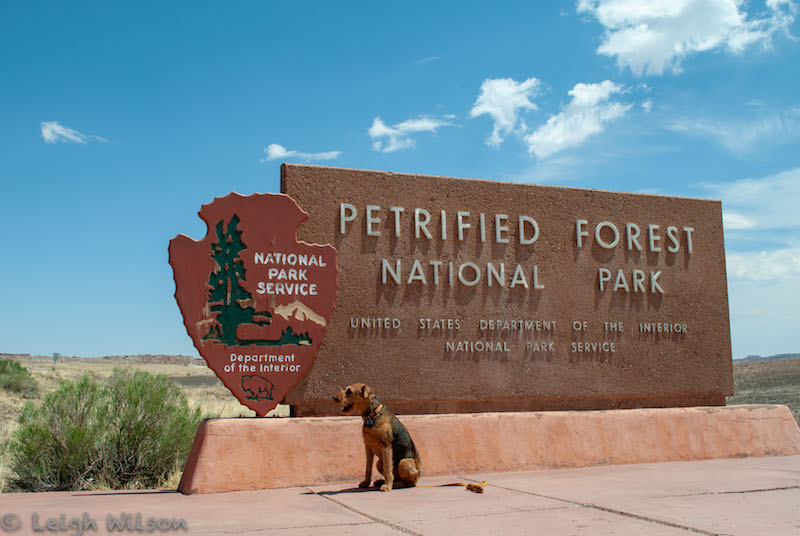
(647, 105)
(744, 136)
(427, 60)
(502, 98)
(763, 211)
(277, 152)
(53, 132)
(587, 113)
(398, 136)
(774, 265)
(769, 203)
(733, 221)
(653, 36)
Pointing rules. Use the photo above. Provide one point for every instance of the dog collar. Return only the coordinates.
(370, 419)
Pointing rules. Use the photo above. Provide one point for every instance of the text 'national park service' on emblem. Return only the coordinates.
(255, 301)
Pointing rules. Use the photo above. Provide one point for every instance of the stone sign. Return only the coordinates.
(255, 301)
(461, 295)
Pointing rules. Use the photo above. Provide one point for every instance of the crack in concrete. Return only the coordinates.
(384, 522)
(613, 511)
(743, 492)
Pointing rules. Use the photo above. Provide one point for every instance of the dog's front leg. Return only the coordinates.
(388, 469)
(368, 472)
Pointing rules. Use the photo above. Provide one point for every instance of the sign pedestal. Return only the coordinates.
(251, 454)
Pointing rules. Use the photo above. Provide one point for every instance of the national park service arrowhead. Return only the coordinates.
(255, 301)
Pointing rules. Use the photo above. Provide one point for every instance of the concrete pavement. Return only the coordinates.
(751, 496)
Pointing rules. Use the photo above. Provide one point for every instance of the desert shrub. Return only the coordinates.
(131, 432)
(16, 378)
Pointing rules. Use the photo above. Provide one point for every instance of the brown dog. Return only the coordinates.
(384, 437)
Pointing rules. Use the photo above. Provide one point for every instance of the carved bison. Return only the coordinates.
(257, 388)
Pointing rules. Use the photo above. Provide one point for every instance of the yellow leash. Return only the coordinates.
(475, 488)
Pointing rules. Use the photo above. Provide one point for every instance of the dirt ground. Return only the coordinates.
(768, 382)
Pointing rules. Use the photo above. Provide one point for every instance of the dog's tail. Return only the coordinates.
(475, 487)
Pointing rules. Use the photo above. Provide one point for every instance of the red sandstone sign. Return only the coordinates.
(469, 295)
(255, 301)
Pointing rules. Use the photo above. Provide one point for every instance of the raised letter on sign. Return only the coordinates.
(396, 211)
(621, 282)
(474, 268)
(654, 286)
(416, 273)
(536, 284)
(387, 268)
(421, 219)
(652, 235)
(638, 281)
(519, 278)
(491, 273)
(462, 224)
(600, 241)
(370, 219)
(673, 238)
(579, 232)
(604, 275)
(347, 212)
(688, 238)
(632, 231)
(500, 228)
(522, 221)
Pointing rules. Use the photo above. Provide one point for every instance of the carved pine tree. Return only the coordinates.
(230, 304)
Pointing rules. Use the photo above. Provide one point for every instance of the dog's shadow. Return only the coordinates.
(373, 488)
(346, 490)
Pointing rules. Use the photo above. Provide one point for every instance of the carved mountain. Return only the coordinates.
(299, 311)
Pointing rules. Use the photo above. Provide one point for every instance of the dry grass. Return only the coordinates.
(5, 470)
(10, 407)
(202, 388)
(173, 479)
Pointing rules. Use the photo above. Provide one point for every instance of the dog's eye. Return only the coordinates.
(349, 391)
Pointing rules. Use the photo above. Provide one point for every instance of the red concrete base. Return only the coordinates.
(250, 454)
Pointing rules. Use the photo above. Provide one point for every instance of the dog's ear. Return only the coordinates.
(367, 392)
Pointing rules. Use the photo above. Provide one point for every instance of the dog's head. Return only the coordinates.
(355, 398)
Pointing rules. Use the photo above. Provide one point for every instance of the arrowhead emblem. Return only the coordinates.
(255, 301)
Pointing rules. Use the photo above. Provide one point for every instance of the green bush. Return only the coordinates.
(131, 432)
(16, 378)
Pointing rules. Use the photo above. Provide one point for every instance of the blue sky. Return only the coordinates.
(119, 120)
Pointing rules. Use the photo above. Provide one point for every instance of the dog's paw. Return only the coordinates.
(364, 484)
(386, 487)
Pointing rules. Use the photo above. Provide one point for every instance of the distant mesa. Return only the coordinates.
(145, 359)
(758, 358)
(299, 311)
